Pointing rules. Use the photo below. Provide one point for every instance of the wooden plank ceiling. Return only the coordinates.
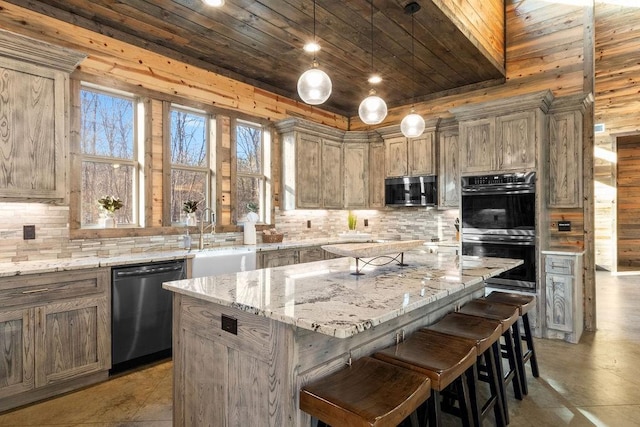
(260, 42)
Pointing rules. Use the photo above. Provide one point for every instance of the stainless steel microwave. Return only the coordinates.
(411, 191)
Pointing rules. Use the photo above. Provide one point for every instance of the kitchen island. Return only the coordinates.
(245, 343)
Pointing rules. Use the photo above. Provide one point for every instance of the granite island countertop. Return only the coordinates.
(324, 296)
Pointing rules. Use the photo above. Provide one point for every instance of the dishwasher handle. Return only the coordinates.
(148, 271)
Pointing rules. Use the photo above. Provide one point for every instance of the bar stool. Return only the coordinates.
(485, 334)
(508, 316)
(445, 360)
(524, 303)
(370, 392)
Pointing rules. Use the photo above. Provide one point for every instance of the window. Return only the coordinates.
(109, 154)
(190, 164)
(253, 185)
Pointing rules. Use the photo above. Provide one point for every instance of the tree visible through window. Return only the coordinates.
(108, 145)
(190, 172)
(252, 179)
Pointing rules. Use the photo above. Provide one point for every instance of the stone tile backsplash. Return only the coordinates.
(52, 231)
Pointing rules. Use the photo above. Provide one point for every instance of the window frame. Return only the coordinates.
(210, 156)
(137, 162)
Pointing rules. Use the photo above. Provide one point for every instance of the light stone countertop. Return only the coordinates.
(324, 296)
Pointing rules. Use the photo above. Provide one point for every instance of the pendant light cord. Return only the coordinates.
(371, 36)
(413, 61)
(315, 51)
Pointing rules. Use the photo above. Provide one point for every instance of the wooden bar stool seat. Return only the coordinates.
(485, 334)
(525, 303)
(370, 392)
(508, 316)
(444, 359)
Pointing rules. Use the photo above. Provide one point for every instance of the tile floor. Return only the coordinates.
(593, 383)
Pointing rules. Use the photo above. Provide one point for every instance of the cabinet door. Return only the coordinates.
(332, 174)
(559, 294)
(516, 141)
(477, 145)
(278, 258)
(32, 99)
(449, 175)
(376, 175)
(355, 175)
(396, 157)
(73, 338)
(17, 356)
(421, 155)
(308, 178)
(565, 160)
(315, 253)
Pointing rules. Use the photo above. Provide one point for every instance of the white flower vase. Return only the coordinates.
(191, 219)
(109, 221)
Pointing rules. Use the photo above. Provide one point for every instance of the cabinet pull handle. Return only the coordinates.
(554, 265)
(35, 291)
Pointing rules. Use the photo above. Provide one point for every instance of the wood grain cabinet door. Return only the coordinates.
(421, 154)
(73, 338)
(332, 174)
(565, 160)
(278, 258)
(559, 295)
(376, 175)
(449, 174)
(17, 356)
(32, 112)
(477, 146)
(355, 175)
(396, 156)
(516, 141)
(308, 172)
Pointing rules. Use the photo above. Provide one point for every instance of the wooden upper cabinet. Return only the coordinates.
(396, 156)
(516, 141)
(308, 171)
(34, 88)
(331, 174)
(449, 172)
(565, 160)
(421, 155)
(376, 175)
(477, 145)
(355, 175)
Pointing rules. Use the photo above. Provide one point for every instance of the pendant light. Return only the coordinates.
(214, 3)
(372, 109)
(314, 85)
(412, 125)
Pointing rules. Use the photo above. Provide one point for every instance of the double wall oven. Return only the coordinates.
(499, 220)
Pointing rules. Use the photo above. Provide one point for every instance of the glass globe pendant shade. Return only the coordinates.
(214, 3)
(412, 125)
(372, 109)
(314, 86)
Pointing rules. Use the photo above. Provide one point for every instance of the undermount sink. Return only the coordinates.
(211, 262)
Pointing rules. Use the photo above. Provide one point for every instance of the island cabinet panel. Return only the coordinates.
(376, 175)
(315, 253)
(222, 378)
(17, 357)
(355, 175)
(331, 176)
(449, 172)
(308, 173)
(516, 141)
(277, 258)
(565, 160)
(477, 145)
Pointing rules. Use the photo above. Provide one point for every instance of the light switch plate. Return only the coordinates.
(29, 232)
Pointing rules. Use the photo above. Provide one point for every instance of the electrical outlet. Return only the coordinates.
(29, 232)
(366, 222)
(309, 223)
(230, 324)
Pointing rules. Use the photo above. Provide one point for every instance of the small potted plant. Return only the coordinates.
(351, 221)
(190, 207)
(110, 204)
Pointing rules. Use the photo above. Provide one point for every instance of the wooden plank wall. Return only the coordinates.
(482, 21)
(628, 203)
(617, 106)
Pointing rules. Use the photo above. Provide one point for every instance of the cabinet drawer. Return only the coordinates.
(558, 265)
(46, 287)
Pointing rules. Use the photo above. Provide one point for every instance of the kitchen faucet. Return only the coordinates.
(202, 226)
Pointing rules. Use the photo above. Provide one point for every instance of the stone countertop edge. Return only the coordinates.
(311, 295)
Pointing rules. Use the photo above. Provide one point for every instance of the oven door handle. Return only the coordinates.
(499, 240)
(484, 191)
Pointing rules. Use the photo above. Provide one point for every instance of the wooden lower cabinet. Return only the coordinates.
(52, 345)
(281, 257)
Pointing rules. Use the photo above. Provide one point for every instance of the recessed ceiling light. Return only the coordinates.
(375, 79)
(214, 3)
(311, 47)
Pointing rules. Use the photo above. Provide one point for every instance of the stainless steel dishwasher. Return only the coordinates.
(141, 312)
